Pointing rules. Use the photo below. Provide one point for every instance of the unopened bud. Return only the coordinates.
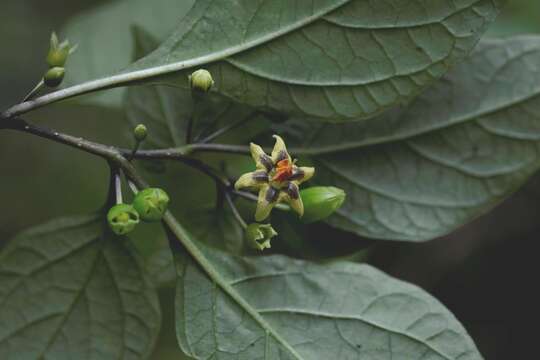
(320, 202)
(140, 132)
(201, 80)
(122, 218)
(151, 204)
(258, 236)
(58, 52)
(54, 76)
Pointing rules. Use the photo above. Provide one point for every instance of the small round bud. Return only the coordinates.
(53, 77)
(201, 80)
(258, 236)
(320, 202)
(140, 132)
(122, 218)
(151, 204)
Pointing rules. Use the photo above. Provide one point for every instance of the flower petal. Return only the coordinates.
(251, 180)
(280, 150)
(294, 199)
(302, 174)
(268, 197)
(262, 161)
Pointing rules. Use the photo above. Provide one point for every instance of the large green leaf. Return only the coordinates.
(453, 154)
(105, 42)
(335, 311)
(334, 60)
(71, 290)
(329, 59)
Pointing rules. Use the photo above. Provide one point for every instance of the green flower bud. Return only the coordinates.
(151, 204)
(53, 77)
(320, 202)
(58, 52)
(258, 236)
(201, 80)
(122, 218)
(140, 132)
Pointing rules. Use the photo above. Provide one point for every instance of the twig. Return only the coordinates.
(235, 211)
(118, 186)
(34, 91)
(119, 157)
(113, 155)
(189, 129)
(224, 129)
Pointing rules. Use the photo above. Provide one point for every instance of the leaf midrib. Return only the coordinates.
(355, 318)
(132, 76)
(210, 270)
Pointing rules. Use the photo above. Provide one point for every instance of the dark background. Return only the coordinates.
(486, 273)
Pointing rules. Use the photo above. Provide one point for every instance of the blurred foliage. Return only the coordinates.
(41, 180)
(519, 17)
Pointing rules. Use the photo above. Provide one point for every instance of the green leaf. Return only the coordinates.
(160, 267)
(217, 228)
(458, 150)
(338, 310)
(71, 289)
(331, 59)
(105, 43)
(334, 60)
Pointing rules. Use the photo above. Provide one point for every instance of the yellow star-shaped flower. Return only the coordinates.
(277, 179)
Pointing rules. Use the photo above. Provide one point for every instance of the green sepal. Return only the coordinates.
(151, 204)
(58, 52)
(122, 218)
(258, 236)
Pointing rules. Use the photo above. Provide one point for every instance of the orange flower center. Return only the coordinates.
(284, 169)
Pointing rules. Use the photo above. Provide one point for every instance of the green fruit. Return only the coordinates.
(151, 204)
(53, 77)
(258, 236)
(122, 218)
(320, 202)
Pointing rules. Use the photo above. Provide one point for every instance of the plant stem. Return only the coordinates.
(107, 152)
(134, 151)
(224, 129)
(133, 187)
(221, 148)
(34, 91)
(111, 194)
(119, 157)
(115, 156)
(235, 211)
(183, 151)
(189, 129)
(118, 186)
